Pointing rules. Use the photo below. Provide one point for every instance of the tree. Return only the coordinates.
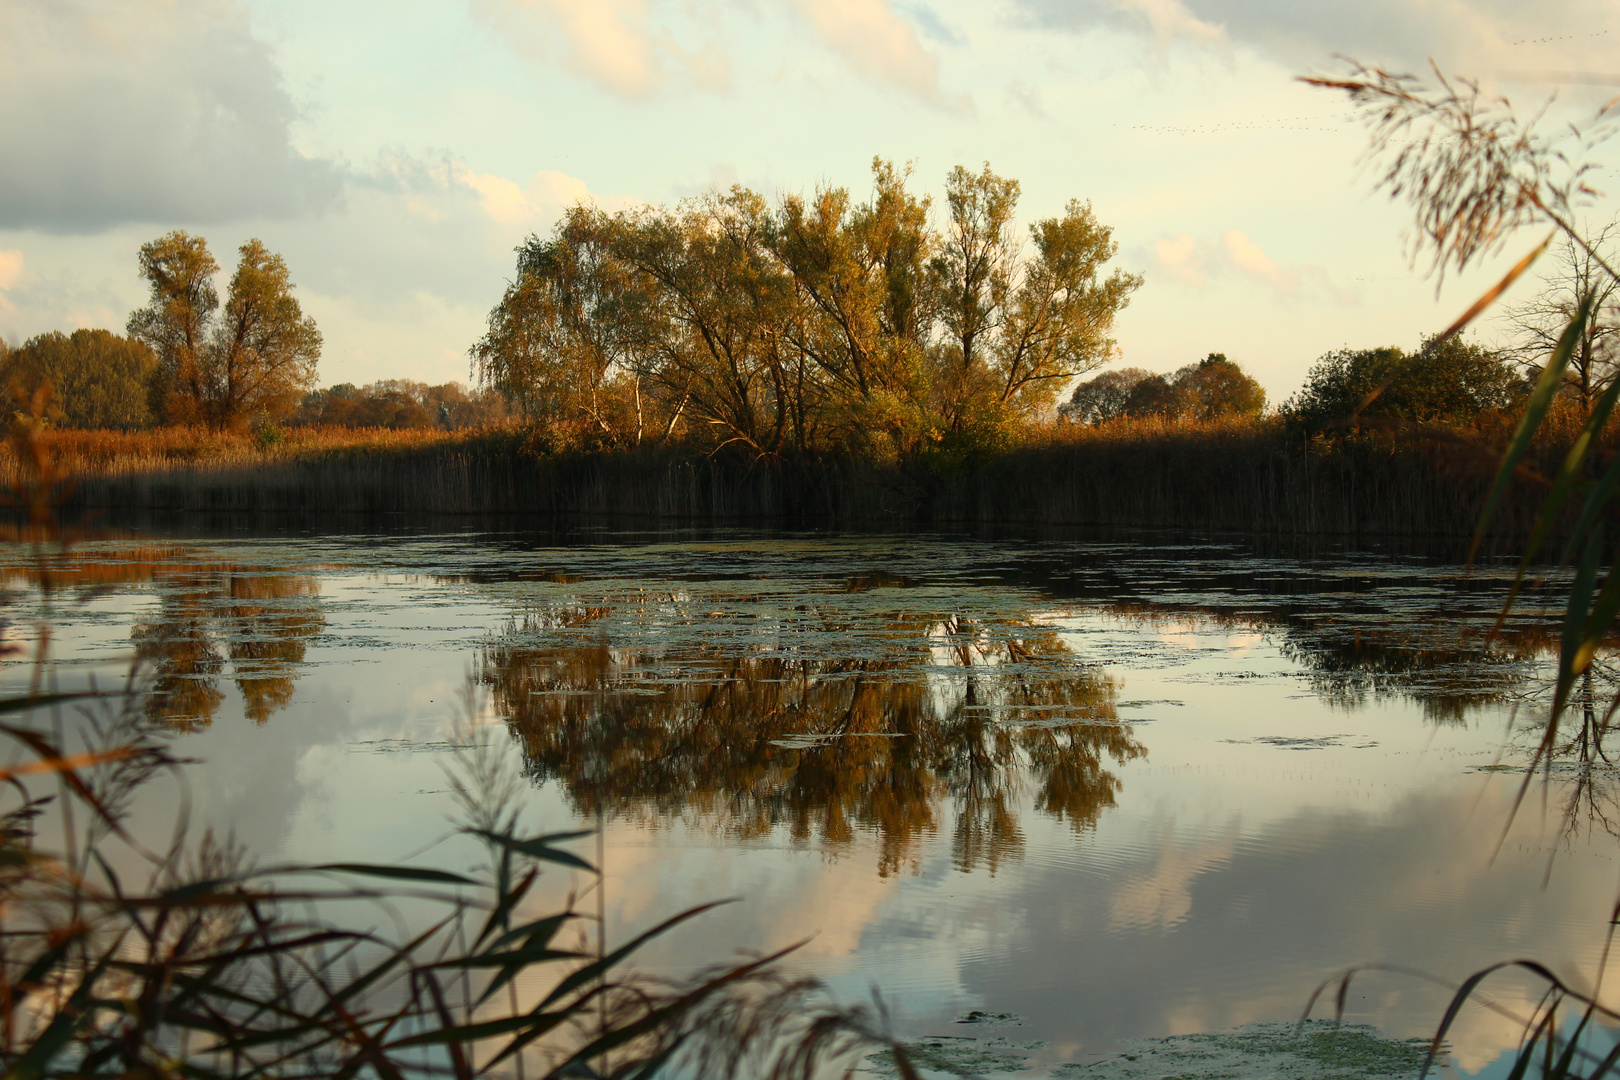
(1058, 321)
(1540, 321)
(1212, 388)
(1156, 395)
(224, 368)
(176, 321)
(1216, 387)
(565, 344)
(973, 276)
(820, 324)
(1446, 382)
(1017, 329)
(1103, 398)
(99, 379)
(263, 352)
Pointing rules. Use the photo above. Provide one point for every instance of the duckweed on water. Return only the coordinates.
(1320, 1051)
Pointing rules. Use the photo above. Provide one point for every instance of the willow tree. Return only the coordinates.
(861, 274)
(821, 324)
(724, 333)
(569, 343)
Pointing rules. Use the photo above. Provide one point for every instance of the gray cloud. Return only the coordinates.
(1485, 38)
(141, 111)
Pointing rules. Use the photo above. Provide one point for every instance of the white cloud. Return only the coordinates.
(1193, 262)
(1482, 38)
(1245, 256)
(11, 268)
(543, 200)
(1170, 19)
(618, 44)
(877, 41)
(153, 111)
(1180, 256)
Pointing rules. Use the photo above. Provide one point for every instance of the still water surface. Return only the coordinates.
(1116, 790)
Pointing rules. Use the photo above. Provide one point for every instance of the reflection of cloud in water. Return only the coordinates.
(1160, 898)
(1215, 930)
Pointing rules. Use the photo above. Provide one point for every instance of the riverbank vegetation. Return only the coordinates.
(820, 360)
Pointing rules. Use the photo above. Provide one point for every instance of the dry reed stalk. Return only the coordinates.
(1231, 474)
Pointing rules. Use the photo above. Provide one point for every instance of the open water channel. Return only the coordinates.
(1105, 790)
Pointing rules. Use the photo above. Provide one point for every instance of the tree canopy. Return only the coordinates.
(99, 379)
(817, 324)
(1453, 381)
(226, 367)
(1212, 388)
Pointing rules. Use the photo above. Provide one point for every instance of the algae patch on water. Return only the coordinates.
(1318, 1051)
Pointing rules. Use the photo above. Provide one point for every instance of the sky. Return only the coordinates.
(396, 153)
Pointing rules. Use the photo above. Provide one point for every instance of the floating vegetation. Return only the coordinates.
(1288, 742)
(960, 1054)
(1320, 1050)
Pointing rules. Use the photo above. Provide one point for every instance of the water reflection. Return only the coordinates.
(261, 624)
(1449, 665)
(960, 716)
(212, 617)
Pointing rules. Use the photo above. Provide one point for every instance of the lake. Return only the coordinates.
(1101, 790)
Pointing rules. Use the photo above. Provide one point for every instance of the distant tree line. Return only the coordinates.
(189, 360)
(1212, 388)
(1450, 382)
(400, 404)
(816, 324)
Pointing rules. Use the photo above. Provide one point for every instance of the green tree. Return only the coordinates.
(1216, 387)
(1061, 312)
(861, 273)
(566, 345)
(1156, 395)
(253, 359)
(1212, 388)
(99, 379)
(1450, 382)
(1103, 398)
(821, 324)
(973, 274)
(264, 350)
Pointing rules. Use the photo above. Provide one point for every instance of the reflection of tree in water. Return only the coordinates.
(823, 748)
(1578, 766)
(261, 623)
(1449, 679)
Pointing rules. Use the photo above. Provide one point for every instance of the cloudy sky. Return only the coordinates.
(396, 152)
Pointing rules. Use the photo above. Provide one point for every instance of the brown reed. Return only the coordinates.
(1229, 474)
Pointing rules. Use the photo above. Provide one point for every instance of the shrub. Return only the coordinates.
(1451, 382)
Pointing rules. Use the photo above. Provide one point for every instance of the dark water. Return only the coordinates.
(1115, 789)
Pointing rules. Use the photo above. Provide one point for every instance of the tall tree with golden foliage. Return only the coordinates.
(253, 360)
(818, 325)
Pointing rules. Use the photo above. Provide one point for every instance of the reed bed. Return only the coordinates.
(1235, 474)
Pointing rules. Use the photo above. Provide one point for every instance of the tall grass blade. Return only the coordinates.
(1541, 399)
